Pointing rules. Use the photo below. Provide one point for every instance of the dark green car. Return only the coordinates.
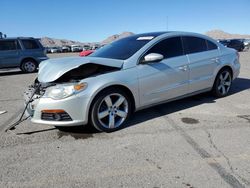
(21, 52)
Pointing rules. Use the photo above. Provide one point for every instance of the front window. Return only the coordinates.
(171, 47)
(124, 48)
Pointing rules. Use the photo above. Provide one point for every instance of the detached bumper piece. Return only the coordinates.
(55, 115)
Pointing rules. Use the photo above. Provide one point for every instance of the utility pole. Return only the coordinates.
(167, 23)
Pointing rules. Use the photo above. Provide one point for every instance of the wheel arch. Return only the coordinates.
(226, 67)
(28, 58)
(118, 86)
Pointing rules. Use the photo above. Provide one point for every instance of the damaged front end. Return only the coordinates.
(45, 100)
(32, 94)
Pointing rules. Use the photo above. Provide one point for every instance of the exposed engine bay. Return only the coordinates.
(74, 75)
(84, 71)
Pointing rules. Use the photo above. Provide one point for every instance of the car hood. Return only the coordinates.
(52, 69)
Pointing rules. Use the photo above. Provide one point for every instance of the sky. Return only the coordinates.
(95, 20)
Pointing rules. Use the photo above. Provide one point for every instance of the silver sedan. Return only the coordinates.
(130, 74)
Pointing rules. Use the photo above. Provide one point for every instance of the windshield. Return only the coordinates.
(122, 49)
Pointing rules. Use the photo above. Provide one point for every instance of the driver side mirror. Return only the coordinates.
(152, 57)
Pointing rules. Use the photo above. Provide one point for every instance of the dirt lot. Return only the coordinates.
(195, 142)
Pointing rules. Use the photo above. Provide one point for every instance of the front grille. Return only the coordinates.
(56, 116)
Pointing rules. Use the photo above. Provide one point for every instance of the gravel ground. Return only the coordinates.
(195, 142)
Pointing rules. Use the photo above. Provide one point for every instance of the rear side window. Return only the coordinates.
(194, 45)
(211, 45)
(170, 47)
(8, 45)
(30, 44)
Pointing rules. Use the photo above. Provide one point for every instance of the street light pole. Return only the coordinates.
(167, 23)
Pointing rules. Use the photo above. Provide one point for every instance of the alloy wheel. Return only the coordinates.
(112, 111)
(225, 81)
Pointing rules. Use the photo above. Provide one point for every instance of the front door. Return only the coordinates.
(167, 79)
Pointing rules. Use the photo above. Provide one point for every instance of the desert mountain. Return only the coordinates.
(219, 34)
(51, 42)
(116, 37)
(216, 34)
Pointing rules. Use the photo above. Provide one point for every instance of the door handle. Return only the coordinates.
(183, 68)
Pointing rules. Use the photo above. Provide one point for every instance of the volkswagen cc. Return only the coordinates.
(128, 75)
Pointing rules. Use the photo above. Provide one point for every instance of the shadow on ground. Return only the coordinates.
(11, 73)
(239, 85)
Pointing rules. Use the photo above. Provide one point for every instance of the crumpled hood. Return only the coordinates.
(52, 69)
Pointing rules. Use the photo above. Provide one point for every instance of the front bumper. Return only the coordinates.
(76, 107)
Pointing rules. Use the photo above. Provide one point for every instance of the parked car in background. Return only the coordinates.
(127, 75)
(25, 53)
(224, 42)
(89, 51)
(86, 52)
(76, 48)
(48, 50)
(236, 44)
(55, 50)
(246, 43)
(66, 48)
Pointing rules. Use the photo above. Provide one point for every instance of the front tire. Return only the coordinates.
(222, 83)
(110, 110)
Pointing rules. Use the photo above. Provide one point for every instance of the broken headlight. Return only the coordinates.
(64, 90)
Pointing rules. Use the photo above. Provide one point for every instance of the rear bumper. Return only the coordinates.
(236, 70)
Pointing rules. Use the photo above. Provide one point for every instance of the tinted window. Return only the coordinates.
(194, 44)
(211, 46)
(235, 42)
(30, 44)
(7, 45)
(123, 48)
(171, 47)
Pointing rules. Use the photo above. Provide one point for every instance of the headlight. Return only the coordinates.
(64, 90)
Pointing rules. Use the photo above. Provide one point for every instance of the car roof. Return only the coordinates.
(153, 34)
(168, 33)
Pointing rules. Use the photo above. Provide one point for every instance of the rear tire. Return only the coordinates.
(222, 83)
(29, 66)
(110, 110)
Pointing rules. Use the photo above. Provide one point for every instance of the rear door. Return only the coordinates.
(203, 58)
(166, 79)
(9, 53)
